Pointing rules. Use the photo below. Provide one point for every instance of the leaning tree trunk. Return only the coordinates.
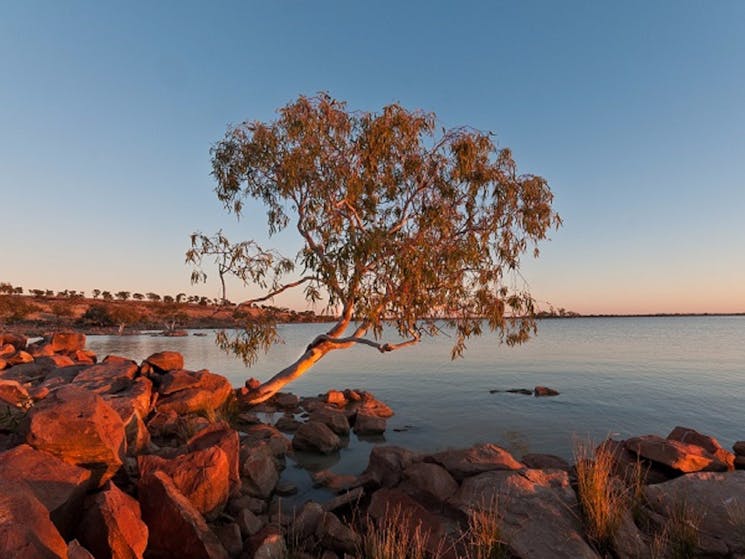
(269, 388)
(312, 354)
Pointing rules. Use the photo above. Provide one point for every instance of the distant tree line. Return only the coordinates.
(9, 289)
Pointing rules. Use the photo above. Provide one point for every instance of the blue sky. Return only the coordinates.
(633, 111)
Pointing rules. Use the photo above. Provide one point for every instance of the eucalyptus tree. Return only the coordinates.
(401, 223)
(244, 260)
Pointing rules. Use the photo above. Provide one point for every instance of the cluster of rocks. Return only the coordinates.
(119, 459)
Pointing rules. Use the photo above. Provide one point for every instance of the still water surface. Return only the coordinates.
(617, 376)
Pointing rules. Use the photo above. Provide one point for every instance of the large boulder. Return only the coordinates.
(176, 529)
(393, 509)
(63, 342)
(193, 391)
(14, 395)
(366, 424)
(165, 361)
(428, 483)
(333, 419)
(336, 536)
(202, 476)
(223, 436)
(315, 436)
(111, 526)
(683, 457)
(80, 428)
(462, 463)
(26, 532)
(386, 465)
(253, 435)
(713, 502)
(59, 486)
(537, 511)
(709, 444)
(259, 471)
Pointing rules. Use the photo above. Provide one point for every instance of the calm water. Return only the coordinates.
(618, 376)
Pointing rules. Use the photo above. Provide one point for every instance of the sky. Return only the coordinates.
(633, 111)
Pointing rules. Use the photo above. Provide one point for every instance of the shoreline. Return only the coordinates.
(152, 425)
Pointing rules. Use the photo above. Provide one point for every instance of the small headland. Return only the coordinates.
(114, 458)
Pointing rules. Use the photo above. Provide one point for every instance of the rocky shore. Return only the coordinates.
(111, 458)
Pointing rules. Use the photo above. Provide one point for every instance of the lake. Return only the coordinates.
(616, 376)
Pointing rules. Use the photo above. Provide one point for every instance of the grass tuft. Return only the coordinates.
(484, 538)
(603, 498)
(393, 538)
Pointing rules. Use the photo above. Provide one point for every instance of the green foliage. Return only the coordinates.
(401, 222)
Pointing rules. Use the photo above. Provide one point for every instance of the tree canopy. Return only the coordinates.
(402, 223)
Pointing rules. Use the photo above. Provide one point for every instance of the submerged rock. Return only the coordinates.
(544, 391)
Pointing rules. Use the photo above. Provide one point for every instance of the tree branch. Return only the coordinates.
(350, 340)
(278, 290)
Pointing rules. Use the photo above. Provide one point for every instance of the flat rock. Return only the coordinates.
(333, 481)
(545, 462)
(176, 529)
(26, 532)
(680, 456)
(316, 437)
(539, 391)
(80, 428)
(109, 377)
(477, 459)
(537, 511)
(112, 526)
(718, 502)
(193, 391)
(59, 486)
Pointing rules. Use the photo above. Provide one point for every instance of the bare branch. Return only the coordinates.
(339, 343)
(285, 287)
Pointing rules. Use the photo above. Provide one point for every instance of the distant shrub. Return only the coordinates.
(97, 315)
(13, 308)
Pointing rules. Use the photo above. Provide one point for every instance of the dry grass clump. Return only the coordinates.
(393, 538)
(679, 537)
(604, 498)
(484, 538)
